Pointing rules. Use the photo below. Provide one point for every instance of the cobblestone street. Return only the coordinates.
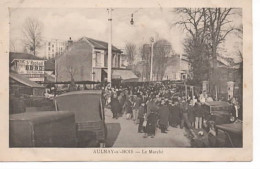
(123, 133)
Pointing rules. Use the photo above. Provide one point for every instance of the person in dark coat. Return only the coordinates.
(151, 106)
(115, 106)
(151, 124)
(163, 116)
(136, 105)
(184, 106)
(141, 115)
(129, 108)
(121, 99)
(151, 117)
(175, 115)
(198, 112)
(170, 106)
(191, 114)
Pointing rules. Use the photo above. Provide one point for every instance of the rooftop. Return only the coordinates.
(16, 55)
(100, 44)
(24, 80)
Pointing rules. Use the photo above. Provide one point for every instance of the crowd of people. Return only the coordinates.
(156, 106)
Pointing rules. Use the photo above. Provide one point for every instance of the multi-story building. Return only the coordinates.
(87, 60)
(55, 48)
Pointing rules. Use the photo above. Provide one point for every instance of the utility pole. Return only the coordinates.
(109, 60)
(151, 71)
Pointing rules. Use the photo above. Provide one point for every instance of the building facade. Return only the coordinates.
(54, 48)
(87, 60)
(177, 68)
(27, 65)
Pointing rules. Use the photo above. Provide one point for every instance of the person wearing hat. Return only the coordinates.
(129, 108)
(115, 106)
(191, 115)
(198, 112)
(141, 116)
(184, 114)
(151, 117)
(163, 116)
(121, 99)
(175, 111)
(137, 104)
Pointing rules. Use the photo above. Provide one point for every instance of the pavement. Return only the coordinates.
(123, 133)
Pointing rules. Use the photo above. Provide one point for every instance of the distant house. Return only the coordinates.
(177, 68)
(27, 65)
(230, 71)
(86, 60)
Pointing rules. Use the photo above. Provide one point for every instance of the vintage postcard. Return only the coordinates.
(126, 80)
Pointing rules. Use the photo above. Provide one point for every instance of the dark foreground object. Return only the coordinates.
(43, 129)
(89, 116)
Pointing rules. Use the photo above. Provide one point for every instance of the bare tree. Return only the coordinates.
(194, 22)
(209, 26)
(32, 32)
(71, 70)
(145, 54)
(218, 26)
(131, 52)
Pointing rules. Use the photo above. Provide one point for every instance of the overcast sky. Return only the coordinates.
(93, 23)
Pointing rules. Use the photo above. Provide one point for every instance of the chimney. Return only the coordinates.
(70, 42)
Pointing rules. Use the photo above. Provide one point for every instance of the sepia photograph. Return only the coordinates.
(126, 78)
(126, 81)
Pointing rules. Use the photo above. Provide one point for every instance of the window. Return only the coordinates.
(52, 45)
(49, 43)
(105, 59)
(31, 67)
(36, 67)
(40, 67)
(27, 67)
(98, 59)
(49, 48)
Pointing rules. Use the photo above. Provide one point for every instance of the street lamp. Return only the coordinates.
(132, 19)
(109, 65)
(151, 71)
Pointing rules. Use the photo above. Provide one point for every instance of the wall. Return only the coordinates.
(79, 58)
(172, 69)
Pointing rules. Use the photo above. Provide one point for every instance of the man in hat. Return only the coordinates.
(115, 106)
(141, 116)
(175, 111)
(137, 104)
(151, 116)
(163, 116)
(198, 112)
